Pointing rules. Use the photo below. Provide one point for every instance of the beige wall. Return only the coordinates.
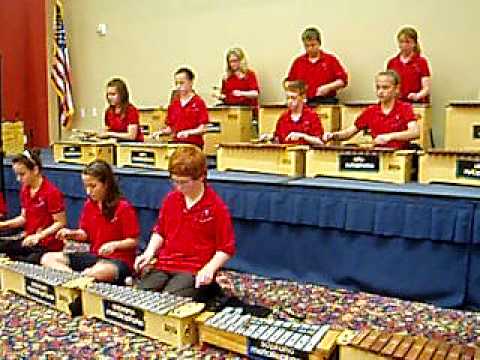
(148, 39)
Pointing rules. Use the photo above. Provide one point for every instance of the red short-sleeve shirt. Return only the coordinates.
(39, 211)
(118, 123)
(309, 124)
(247, 83)
(101, 230)
(190, 116)
(411, 74)
(191, 237)
(324, 71)
(396, 120)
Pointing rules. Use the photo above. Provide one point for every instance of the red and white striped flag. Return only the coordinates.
(61, 72)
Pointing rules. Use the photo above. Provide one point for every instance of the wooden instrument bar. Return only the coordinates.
(84, 152)
(270, 113)
(371, 344)
(462, 125)
(276, 339)
(351, 110)
(54, 288)
(450, 166)
(378, 164)
(152, 120)
(229, 124)
(146, 155)
(264, 158)
(162, 316)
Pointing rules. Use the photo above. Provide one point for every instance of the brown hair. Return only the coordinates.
(392, 74)
(188, 161)
(122, 90)
(297, 86)
(29, 158)
(103, 172)
(240, 54)
(311, 34)
(410, 33)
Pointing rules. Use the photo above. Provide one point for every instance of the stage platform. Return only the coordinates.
(413, 241)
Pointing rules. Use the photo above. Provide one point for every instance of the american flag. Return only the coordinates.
(61, 72)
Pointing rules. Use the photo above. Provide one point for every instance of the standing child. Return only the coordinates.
(240, 86)
(193, 236)
(321, 72)
(391, 122)
(411, 67)
(299, 124)
(42, 212)
(108, 222)
(187, 114)
(121, 117)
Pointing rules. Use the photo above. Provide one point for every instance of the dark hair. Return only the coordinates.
(29, 158)
(122, 89)
(311, 34)
(186, 71)
(188, 161)
(102, 171)
(410, 33)
(392, 74)
(297, 86)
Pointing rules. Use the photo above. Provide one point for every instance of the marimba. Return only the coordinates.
(51, 287)
(145, 155)
(84, 152)
(162, 316)
(264, 158)
(152, 120)
(371, 344)
(379, 164)
(462, 125)
(450, 166)
(276, 339)
(270, 113)
(351, 110)
(228, 124)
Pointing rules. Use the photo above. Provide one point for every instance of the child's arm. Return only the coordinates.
(14, 223)
(59, 221)
(344, 134)
(294, 136)
(156, 241)
(111, 246)
(131, 133)
(189, 132)
(207, 273)
(413, 132)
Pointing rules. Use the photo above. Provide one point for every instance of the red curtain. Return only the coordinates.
(25, 75)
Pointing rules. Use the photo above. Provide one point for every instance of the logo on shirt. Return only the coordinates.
(205, 216)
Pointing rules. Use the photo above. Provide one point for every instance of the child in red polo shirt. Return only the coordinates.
(187, 113)
(240, 86)
(392, 122)
(299, 124)
(108, 222)
(193, 236)
(411, 67)
(42, 212)
(121, 117)
(320, 71)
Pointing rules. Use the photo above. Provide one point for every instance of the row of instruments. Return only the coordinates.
(179, 321)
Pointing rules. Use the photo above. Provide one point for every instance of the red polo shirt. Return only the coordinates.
(411, 74)
(324, 71)
(118, 123)
(190, 116)
(396, 120)
(101, 230)
(309, 124)
(39, 211)
(3, 206)
(247, 83)
(191, 237)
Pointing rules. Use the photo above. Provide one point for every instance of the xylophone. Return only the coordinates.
(450, 166)
(372, 344)
(151, 120)
(462, 125)
(84, 152)
(379, 164)
(268, 338)
(270, 113)
(265, 158)
(162, 316)
(51, 287)
(351, 110)
(145, 155)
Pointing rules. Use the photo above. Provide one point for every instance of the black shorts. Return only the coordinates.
(81, 261)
